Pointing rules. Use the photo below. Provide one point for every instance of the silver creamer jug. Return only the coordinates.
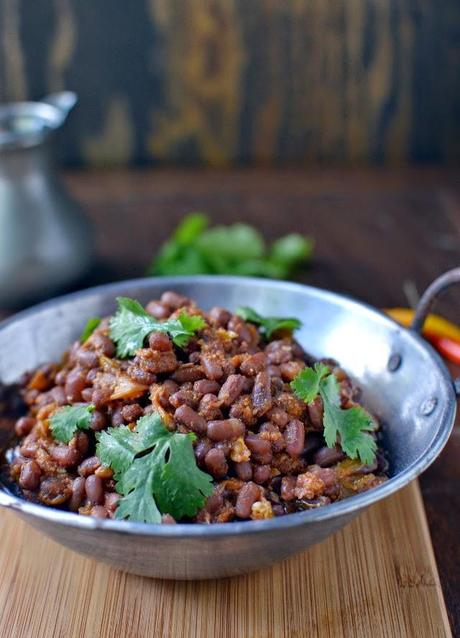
(44, 238)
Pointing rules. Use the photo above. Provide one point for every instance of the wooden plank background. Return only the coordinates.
(235, 81)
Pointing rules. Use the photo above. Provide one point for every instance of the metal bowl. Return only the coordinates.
(404, 383)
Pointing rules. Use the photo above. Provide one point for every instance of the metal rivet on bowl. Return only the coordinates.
(428, 406)
(394, 362)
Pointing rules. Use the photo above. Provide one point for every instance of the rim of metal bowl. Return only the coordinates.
(187, 530)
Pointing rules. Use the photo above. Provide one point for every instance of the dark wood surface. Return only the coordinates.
(231, 81)
(375, 230)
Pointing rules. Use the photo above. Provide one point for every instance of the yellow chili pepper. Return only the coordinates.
(434, 324)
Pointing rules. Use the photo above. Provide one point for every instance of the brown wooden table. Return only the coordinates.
(375, 230)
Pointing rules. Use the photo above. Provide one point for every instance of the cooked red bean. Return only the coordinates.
(210, 407)
(111, 501)
(244, 470)
(74, 384)
(206, 386)
(225, 430)
(174, 300)
(29, 445)
(183, 397)
(138, 374)
(291, 369)
(81, 442)
(231, 389)
(261, 474)
(241, 328)
(288, 487)
(89, 466)
(315, 413)
(278, 509)
(261, 394)
(188, 372)
(100, 398)
(78, 493)
(55, 491)
(294, 435)
(117, 417)
(326, 456)
(215, 463)
(98, 421)
(219, 316)
(253, 364)
(158, 310)
(244, 410)
(24, 425)
(160, 341)
(247, 496)
(214, 503)
(87, 358)
(65, 455)
(58, 395)
(60, 377)
(279, 351)
(201, 449)
(103, 344)
(29, 478)
(271, 432)
(94, 488)
(131, 412)
(191, 419)
(260, 448)
(155, 361)
(212, 367)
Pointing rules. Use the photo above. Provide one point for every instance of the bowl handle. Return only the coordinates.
(427, 300)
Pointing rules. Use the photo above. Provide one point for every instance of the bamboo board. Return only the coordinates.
(377, 577)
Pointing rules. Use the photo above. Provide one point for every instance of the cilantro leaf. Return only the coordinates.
(351, 425)
(269, 325)
(179, 479)
(289, 251)
(90, 327)
(67, 420)
(238, 249)
(155, 470)
(307, 383)
(138, 503)
(131, 324)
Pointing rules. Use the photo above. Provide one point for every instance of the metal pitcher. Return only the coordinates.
(44, 238)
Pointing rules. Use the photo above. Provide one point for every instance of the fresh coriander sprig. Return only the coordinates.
(155, 471)
(65, 422)
(269, 325)
(131, 324)
(90, 327)
(352, 425)
(239, 249)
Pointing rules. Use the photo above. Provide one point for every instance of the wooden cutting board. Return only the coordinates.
(377, 577)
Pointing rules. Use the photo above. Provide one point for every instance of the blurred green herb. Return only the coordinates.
(269, 325)
(196, 248)
(90, 327)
